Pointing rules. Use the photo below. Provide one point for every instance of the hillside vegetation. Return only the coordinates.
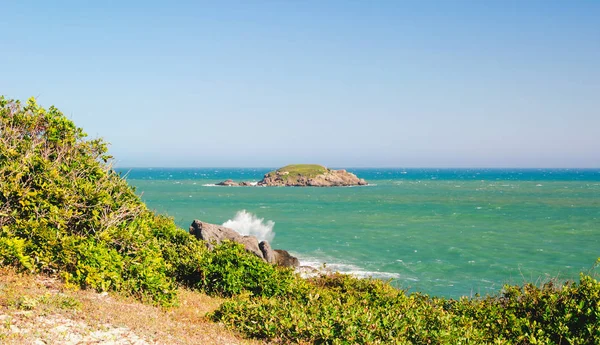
(295, 170)
(65, 212)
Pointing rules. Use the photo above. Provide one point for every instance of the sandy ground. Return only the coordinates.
(36, 309)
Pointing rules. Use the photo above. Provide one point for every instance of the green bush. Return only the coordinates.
(12, 252)
(229, 270)
(339, 309)
(64, 210)
(550, 314)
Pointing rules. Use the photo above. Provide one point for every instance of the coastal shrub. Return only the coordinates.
(64, 210)
(550, 314)
(339, 309)
(229, 270)
(12, 252)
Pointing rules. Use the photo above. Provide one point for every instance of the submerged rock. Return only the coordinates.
(229, 183)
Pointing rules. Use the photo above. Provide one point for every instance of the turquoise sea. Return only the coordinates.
(448, 232)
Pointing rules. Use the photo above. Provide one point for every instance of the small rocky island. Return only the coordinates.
(304, 175)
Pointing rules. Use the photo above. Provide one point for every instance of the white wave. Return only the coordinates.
(209, 185)
(248, 224)
(344, 268)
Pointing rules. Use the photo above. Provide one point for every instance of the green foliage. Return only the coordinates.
(339, 309)
(229, 270)
(12, 252)
(295, 170)
(546, 315)
(64, 210)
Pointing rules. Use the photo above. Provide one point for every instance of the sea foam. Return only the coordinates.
(247, 223)
(320, 266)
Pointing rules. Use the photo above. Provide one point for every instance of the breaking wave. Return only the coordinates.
(247, 223)
(359, 272)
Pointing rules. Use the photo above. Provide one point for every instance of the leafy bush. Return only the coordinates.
(228, 270)
(548, 314)
(64, 210)
(339, 309)
(12, 252)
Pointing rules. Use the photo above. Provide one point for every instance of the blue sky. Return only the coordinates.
(341, 83)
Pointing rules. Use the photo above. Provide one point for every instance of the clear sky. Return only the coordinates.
(350, 83)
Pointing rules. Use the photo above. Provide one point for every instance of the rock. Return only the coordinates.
(215, 234)
(251, 245)
(303, 175)
(211, 233)
(283, 258)
(228, 183)
(307, 175)
(268, 253)
(231, 183)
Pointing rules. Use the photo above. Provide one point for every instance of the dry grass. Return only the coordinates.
(36, 309)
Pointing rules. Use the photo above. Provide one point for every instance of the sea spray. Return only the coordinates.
(247, 223)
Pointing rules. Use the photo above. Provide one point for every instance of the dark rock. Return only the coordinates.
(267, 252)
(251, 245)
(215, 234)
(228, 183)
(283, 258)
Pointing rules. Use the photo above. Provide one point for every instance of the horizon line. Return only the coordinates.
(360, 167)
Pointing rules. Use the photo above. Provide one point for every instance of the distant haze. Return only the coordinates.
(502, 83)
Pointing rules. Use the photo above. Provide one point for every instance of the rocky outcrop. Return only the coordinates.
(228, 183)
(232, 183)
(304, 175)
(283, 258)
(268, 252)
(214, 234)
(330, 178)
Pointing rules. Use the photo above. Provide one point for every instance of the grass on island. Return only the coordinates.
(296, 170)
(66, 213)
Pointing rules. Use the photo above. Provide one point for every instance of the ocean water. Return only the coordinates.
(443, 232)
